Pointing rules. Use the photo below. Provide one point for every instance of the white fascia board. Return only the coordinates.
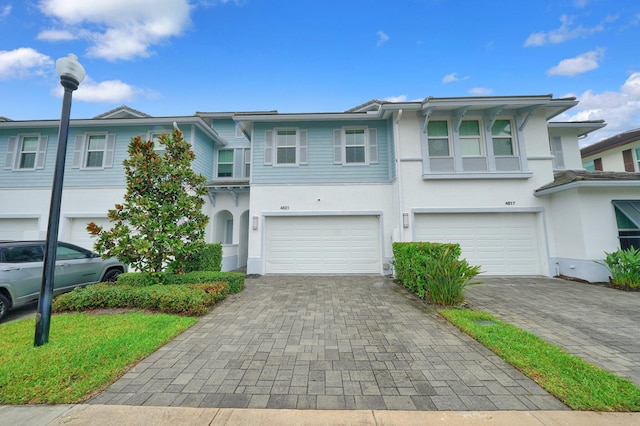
(329, 116)
(118, 122)
(582, 127)
(588, 184)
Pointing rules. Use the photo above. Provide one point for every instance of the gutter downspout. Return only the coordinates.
(398, 172)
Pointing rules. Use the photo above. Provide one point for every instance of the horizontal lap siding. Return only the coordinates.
(203, 148)
(321, 167)
(28, 178)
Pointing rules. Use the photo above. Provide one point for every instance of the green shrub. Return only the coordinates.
(207, 258)
(193, 299)
(624, 266)
(433, 271)
(235, 279)
(139, 279)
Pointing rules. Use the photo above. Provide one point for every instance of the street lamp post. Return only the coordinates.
(71, 75)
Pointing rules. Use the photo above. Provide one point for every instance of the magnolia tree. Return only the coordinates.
(161, 220)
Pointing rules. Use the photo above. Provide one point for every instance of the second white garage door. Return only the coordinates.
(322, 244)
(19, 229)
(502, 243)
(77, 233)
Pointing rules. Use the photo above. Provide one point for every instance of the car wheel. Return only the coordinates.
(4, 306)
(112, 275)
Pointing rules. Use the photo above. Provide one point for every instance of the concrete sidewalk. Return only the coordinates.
(114, 415)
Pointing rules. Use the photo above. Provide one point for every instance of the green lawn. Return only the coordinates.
(85, 354)
(575, 382)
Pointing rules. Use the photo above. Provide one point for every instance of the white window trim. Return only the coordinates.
(297, 147)
(514, 142)
(365, 146)
(246, 161)
(449, 139)
(226, 163)
(16, 154)
(368, 146)
(481, 136)
(158, 148)
(80, 153)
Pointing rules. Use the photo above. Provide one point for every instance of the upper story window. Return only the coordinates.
(502, 138)
(555, 144)
(482, 147)
(154, 137)
(26, 152)
(438, 139)
(470, 139)
(285, 147)
(225, 163)
(247, 163)
(638, 159)
(94, 151)
(355, 146)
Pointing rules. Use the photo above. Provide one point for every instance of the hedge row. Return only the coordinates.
(433, 271)
(191, 299)
(143, 279)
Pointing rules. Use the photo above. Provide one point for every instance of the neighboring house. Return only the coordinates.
(330, 192)
(619, 153)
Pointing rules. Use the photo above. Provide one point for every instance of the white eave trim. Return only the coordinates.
(330, 116)
(588, 184)
(119, 122)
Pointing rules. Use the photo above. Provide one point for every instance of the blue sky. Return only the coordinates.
(176, 57)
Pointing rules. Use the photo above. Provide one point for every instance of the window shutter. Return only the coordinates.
(268, 147)
(77, 152)
(337, 146)
(303, 147)
(11, 152)
(42, 150)
(627, 158)
(597, 164)
(109, 151)
(373, 145)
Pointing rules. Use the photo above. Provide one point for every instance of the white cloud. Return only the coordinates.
(119, 29)
(400, 98)
(450, 78)
(620, 109)
(5, 10)
(480, 91)
(23, 62)
(110, 91)
(56, 35)
(580, 64)
(565, 32)
(382, 38)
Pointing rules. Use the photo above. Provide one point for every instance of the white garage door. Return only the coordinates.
(323, 244)
(502, 243)
(19, 229)
(78, 234)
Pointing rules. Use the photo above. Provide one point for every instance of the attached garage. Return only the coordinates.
(322, 244)
(77, 230)
(502, 243)
(19, 229)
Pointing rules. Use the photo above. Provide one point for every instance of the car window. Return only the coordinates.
(23, 254)
(67, 253)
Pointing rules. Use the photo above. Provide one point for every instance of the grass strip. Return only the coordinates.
(578, 384)
(84, 355)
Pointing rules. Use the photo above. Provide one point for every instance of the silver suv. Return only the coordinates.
(21, 264)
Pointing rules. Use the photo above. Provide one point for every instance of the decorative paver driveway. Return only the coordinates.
(326, 343)
(599, 324)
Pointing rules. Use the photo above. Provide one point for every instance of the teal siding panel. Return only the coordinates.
(107, 177)
(203, 147)
(28, 178)
(226, 128)
(320, 167)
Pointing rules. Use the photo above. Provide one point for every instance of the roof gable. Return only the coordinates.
(122, 111)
